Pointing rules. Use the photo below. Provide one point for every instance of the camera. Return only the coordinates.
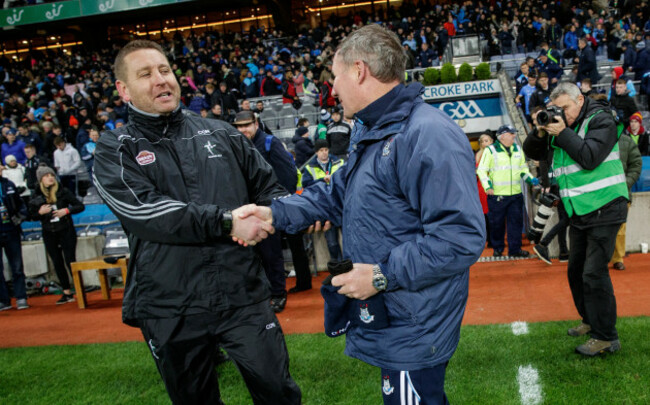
(546, 203)
(547, 115)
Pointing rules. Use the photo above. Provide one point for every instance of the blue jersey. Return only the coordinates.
(526, 92)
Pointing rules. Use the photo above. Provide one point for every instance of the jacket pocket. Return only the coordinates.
(398, 311)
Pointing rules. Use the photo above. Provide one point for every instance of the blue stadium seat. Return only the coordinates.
(643, 184)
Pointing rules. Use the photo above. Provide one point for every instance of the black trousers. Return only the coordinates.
(185, 349)
(270, 249)
(61, 246)
(591, 287)
(300, 260)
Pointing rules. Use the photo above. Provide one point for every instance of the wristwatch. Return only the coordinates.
(226, 223)
(378, 279)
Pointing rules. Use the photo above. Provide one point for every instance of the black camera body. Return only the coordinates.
(547, 115)
(546, 203)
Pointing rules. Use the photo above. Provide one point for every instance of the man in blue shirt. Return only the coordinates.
(526, 92)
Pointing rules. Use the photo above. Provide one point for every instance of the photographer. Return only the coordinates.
(586, 165)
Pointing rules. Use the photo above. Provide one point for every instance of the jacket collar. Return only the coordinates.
(397, 105)
(154, 123)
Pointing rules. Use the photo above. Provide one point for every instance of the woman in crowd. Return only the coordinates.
(53, 205)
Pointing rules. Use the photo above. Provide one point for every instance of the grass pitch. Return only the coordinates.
(483, 370)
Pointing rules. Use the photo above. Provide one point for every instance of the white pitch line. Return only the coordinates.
(529, 388)
(519, 328)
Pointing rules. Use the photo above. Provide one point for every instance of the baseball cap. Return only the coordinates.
(640, 45)
(244, 118)
(505, 129)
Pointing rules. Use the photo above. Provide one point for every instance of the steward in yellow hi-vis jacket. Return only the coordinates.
(501, 170)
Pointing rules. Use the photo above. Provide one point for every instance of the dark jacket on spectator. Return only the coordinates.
(64, 199)
(624, 106)
(304, 148)
(279, 158)
(587, 67)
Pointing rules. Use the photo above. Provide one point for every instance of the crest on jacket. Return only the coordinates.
(145, 158)
(387, 388)
(387, 147)
(364, 314)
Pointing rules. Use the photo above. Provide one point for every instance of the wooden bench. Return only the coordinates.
(100, 266)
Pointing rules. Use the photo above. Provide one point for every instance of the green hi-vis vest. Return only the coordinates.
(299, 184)
(318, 173)
(583, 191)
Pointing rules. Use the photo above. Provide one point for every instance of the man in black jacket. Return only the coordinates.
(587, 66)
(172, 180)
(12, 212)
(622, 103)
(593, 190)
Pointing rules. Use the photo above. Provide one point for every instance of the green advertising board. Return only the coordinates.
(43, 13)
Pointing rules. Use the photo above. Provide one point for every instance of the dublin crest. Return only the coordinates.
(364, 314)
(387, 388)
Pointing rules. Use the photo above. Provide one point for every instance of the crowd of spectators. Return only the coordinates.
(71, 95)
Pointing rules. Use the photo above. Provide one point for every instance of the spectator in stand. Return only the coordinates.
(622, 103)
(216, 113)
(570, 43)
(302, 143)
(326, 99)
(553, 70)
(338, 135)
(31, 165)
(427, 57)
(542, 94)
(321, 129)
(642, 63)
(53, 205)
(249, 86)
(618, 73)
(88, 151)
(28, 136)
(521, 78)
(289, 95)
(68, 165)
(506, 39)
(632, 165)
(12, 146)
(450, 26)
(585, 87)
(629, 56)
(72, 131)
(554, 36)
(639, 134)
(270, 85)
(12, 213)
(198, 103)
(587, 66)
(15, 172)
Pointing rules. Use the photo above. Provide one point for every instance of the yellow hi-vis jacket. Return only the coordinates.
(502, 169)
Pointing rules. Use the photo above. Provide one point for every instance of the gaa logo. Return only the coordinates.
(458, 110)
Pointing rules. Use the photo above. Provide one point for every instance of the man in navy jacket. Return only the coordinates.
(411, 218)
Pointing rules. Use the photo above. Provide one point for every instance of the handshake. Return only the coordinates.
(252, 223)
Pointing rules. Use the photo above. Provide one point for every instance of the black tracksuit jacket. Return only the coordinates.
(169, 180)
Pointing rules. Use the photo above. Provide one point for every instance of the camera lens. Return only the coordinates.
(543, 117)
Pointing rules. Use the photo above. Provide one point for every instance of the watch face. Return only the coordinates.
(379, 283)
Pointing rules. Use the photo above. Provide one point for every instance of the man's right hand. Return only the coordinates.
(490, 192)
(251, 224)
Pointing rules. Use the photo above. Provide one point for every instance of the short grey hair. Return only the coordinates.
(378, 48)
(567, 88)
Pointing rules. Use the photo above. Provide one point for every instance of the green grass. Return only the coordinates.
(483, 370)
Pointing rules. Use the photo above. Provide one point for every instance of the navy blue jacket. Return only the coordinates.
(280, 160)
(13, 203)
(304, 148)
(406, 200)
(587, 67)
(642, 64)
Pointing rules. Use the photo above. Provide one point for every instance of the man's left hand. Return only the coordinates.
(555, 127)
(357, 283)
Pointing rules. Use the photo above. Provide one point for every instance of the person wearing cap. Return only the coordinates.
(411, 220)
(302, 143)
(321, 129)
(275, 154)
(632, 165)
(53, 205)
(642, 63)
(639, 134)
(338, 135)
(545, 65)
(501, 169)
(15, 172)
(175, 182)
(618, 73)
(523, 98)
(593, 189)
(12, 213)
(12, 146)
(322, 169)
